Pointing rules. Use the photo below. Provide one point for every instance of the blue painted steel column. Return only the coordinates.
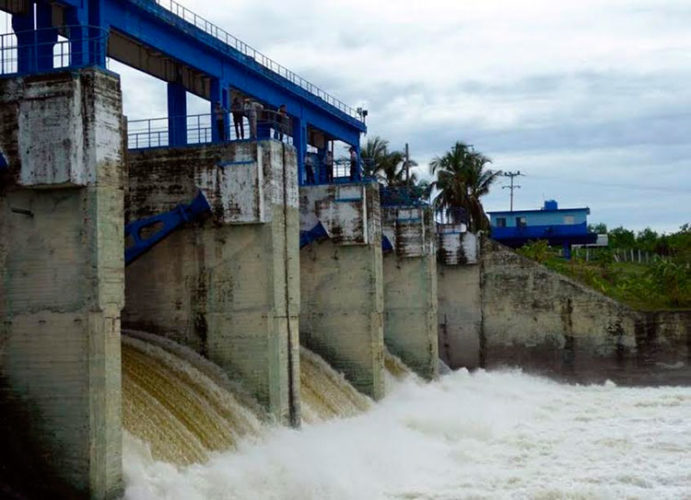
(97, 41)
(46, 37)
(177, 114)
(321, 167)
(219, 93)
(567, 250)
(23, 26)
(358, 174)
(300, 143)
(77, 20)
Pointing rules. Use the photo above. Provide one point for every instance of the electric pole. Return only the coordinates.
(407, 165)
(513, 186)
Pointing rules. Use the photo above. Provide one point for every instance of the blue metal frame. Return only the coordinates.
(195, 43)
(318, 232)
(169, 222)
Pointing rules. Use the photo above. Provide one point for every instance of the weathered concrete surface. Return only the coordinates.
(61, 268)
(459, 296)
(543, 321)
(341, 282)
(228, 287)
(459, 315)
(456, 245)
(410, 288)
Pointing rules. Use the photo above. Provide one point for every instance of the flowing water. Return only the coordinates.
(177, 404)
(481, 435)
(324, 393)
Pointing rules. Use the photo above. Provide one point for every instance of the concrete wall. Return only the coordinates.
(543, 321)
(341, 282)
(459, 315)
(459, 296)
(61, 268)
(410, 288)
(228, 286)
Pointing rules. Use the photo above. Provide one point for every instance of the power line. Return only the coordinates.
(511, 175)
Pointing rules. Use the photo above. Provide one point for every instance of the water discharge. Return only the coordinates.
(481, 435)
(181, 410)
(185, 408)
(324, 393)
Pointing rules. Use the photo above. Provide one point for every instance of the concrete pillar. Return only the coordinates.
(410, 288)
(341, 282)
(61, 268)
(226, 286)
(459, 297)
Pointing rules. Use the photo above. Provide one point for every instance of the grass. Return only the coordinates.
(660, 285)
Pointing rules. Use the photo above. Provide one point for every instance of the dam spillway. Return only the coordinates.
(185, 410)
(234, 284)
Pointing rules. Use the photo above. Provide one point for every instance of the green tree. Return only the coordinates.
(462, 179)
(620, 238)
(599, 228)
(647, 240)
(387, 166)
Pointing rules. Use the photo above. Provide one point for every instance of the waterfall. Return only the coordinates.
(326, 394)
(184, 408)
(395, 370)
(177, 406)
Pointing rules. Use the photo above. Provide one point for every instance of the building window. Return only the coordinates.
(568, 220)
(521, 222)
(501, 221)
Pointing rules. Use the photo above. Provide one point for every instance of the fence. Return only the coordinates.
(403, 196)
(156, 132)
(49, 49)
(237, 44)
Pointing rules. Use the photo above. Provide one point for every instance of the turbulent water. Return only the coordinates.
(184, 408)
(178, 404)
(481, 435)
(324, 393)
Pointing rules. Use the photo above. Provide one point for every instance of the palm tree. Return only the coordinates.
(462, 180)
(373, 154)
(389, 167)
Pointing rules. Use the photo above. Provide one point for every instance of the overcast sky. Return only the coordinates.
(590, 99)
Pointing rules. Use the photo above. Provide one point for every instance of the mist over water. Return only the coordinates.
(481, 435)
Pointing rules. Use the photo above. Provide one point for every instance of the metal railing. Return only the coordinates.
(156, 132)
(403, 196)
(41, 50)
(268, 63)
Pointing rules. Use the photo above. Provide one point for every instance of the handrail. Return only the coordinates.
(156, 132)
(45, 52)
(233, 42)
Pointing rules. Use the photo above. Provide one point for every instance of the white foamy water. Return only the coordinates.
(483, 435)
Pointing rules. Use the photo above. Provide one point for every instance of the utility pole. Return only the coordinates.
(511, 175)
(407, 165)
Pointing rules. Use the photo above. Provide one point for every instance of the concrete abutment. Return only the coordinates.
(410, 287)
(341, 281)
(226, 286)
(61, 269)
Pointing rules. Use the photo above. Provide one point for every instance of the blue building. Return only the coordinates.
(565, 226)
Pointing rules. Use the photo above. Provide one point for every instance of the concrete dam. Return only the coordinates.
(193, 291)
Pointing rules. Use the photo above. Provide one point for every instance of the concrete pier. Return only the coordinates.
(61, 269)
(459, 297)
(227, 286)
(341, 282)
(410, 287)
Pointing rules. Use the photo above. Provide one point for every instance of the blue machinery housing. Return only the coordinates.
(165, 40)
(563, 227)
